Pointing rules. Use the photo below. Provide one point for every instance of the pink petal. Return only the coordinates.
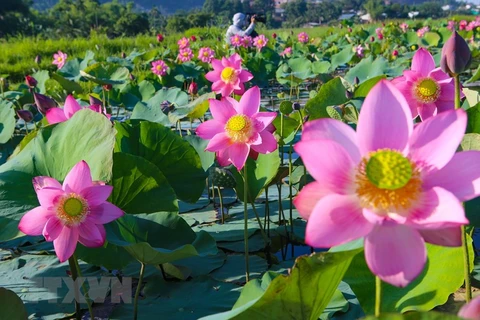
(104, 213)
(48, 196)
(208, 129)
(447, 93)
(448, 237)
(255, 139)
(238, 154)
(245, 76)
(427, 110)
(423, 62)
(336, 219)
(213, 76)
(268, 143)
(66, 243)
(225, 90)
(90, 235)
(250, 102)
(443, 106)
(437, 209)
(308, 197)
(460, 176)
(41, 182)
(71, 106)
(55, 115)
(52, 229)
(218, 85)
(217, 64)
(439, 75)
(218, 142)
(375, 130)
(240, 90)
(471, 310)
(435, 141)
(329, 163)
(263, 120)
(96, 195)
(221, 110)
(33, 222)
(223, 157)
(395, 253)
(335, 130)
(78, 178)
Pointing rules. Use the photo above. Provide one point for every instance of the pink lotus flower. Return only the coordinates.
(236, 41)
(427, 89)
(159, 68)
(421, 32)
(303, 37)
(59, 59)
(73, 212)
(471, 310)
(206, 54)
(286, 52)
(193, 88)
(71, 106)
(463, 25)
(379, 32)
(247, 42)
(396, 185)
(359, 51)
(451, 25)
(185, 55)
(183, 43)
(228, 76)
(260, 41)
(404, 27)
(237, 128)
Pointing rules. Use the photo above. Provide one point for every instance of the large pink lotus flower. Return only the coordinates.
(260, 41)
(206, 54)
(396, 185)
(71, 106)
(237, 128)
(228, 76)
(183, 43)
(73, 212)
(236, 41)
(471, 310)
(247, 42)
(302, 37)
(185, 55)
(427, 89)
(159, 68)
(59, 59)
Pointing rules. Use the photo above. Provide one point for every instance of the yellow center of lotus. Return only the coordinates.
(239, 128)
(228, 75)
(59, 59)
(260, 42)
(72, 209)
(205, 54)
(387, 181)
(427, 90)
(159, 68)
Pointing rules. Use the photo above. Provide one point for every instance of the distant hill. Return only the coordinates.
(167, 6)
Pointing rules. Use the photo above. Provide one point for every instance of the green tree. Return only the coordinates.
(375, 8)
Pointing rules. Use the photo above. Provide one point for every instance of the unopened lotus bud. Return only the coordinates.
(124, 55)
(274, 35)
(107, 87)
(372, 39)
(43, 102)
(95, 101)
(166, 106)
(356, 81)
(38, 59)
(31, 81)
(348, 95)
(395, 53)
(193, 88)
(160, 37)
(132, 77)
(456, 55)
(25, 115)
(296, 106)
(193, 38)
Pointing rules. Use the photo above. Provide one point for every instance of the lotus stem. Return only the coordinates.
(221, 204)
(245, 215)
(73, 271)
(290, 189)
(466, 266)
(456, 80)
(378, 296)
(137, 292)
(85, 291)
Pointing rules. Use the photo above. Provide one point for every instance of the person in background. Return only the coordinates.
(239, 21)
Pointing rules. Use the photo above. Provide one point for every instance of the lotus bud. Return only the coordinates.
(372, 39)
(43, 102)
(95, 101)
(274, 35)
(348, 95)
(38, 59)
(193, 88)
(456, 55)
(31, 81)
(356, 81)
(132, 77)
(296, 106)
(107, 87)
(350, 30)
(124, 55)
(193, 38)
(395, 53)
(160, 37)
(25, 115)
(166, 106)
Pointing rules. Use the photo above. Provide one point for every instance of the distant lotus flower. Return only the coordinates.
(463, 25)
(396, 185)
(43, 102)
(247, 42)
(379, 32)
(159, 68)
(471, 310)
(404, 27)
(193, 88)
(274, 35)
(456, 55)
(73, 212)
(303, 37)
(185, 55)
(451, 25)
(25, 115)
(427, 89)
(237, 128)
(260, 41)
(286, 52)
(38, 59)
(350, 30)
(421, 32)
(160, 37)
(359, 51)
(193, 38)
(228, 76)
(71, 106)
(59, 59)
(206, 54)
(236, 41)
(183, 43)
(31, 81)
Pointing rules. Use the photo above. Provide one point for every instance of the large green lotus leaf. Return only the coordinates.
(473, 124)
(331, 93)
(320, 67)
(193, 110)
(146, 89)
(234, 268)
(71, 70)
(301, 68)
(54, 151)
(365, 87)
(41, 76)
(415, 316)
(431, 39)
(11, 306)
(174, 157)
(341, 58)
(470, 141)
(110, 256)
(260, 173)
(159, 238)
(442, 276)
(411, 37)
(68, 85)
(303, 294)
(97, 73)
(199, 144)
(152, 110)
(7, 121)
(153, 113)
(367, 69)
(139, 186)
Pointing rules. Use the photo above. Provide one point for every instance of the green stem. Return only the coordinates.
(466, 266)
(137, 292)
(290, 189)
(73, 271)
(378, 296)
(85, 292)
(262, 231)
(456, 80)
(245, 215)
(281, 137)
(221, 204)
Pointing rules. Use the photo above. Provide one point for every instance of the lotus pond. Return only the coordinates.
(281, 177)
